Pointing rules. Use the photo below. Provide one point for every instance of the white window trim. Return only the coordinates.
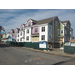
(43, 29)
(41, 37)
(37, 30)
(61, 30)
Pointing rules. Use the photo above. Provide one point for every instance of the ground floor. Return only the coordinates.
(15, 55)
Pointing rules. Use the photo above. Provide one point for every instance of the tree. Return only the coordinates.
(1, 28)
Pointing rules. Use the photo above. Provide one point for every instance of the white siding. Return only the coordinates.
(20, 36)
(28, 34)
(43, 33)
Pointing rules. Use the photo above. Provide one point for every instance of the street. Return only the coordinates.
(15, 55)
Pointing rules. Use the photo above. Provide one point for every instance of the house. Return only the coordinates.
(4, 37)
(43, 30)
(48, 33)
(65, 27)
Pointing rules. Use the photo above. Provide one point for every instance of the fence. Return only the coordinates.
(34, 45)
(69, 47)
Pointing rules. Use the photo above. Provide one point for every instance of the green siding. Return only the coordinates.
(55, 30)
(61, 28)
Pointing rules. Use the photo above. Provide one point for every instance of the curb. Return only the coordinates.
(60, 54)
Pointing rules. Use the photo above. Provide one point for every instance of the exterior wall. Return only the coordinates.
(67, 32)
(28, 34)
(33, 30)
(71, 34)
(43, 33)
(4, 35)
(61, 28)
(55, 28)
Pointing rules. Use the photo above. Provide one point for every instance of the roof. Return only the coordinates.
(71, 29)
(33, 20)
(45, 20)
(64, 21)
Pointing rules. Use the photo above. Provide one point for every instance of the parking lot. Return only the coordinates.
(15, 55)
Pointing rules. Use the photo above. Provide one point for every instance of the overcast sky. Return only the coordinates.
(13, 18)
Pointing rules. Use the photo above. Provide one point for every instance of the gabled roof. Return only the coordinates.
(45, 20)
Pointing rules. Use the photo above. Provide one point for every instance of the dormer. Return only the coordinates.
(12, 31)
(22, 27)
(16, 30)
(30, 22)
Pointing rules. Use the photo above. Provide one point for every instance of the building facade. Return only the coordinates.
(51, 30)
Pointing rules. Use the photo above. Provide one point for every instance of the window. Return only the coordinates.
(43, 37)
(27, 30)
(21, 33)
(36, 29)
(43, 29)
(58, 31)
(61, 31)
(20, 39)
(18, 35)
(22, 28)
(29, 23)
(27, 38)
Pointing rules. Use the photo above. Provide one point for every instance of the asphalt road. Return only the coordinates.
(15, 55)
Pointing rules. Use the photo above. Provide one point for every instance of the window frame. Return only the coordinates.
(27, 31)
(42, 37)
(27, 38)
(36, 30)
(61, 31)
(43, 29)
(20, 39)
(20, 33)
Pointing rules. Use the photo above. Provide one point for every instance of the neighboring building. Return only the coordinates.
(4, 39)
(64, 32)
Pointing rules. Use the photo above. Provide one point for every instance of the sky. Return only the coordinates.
(13, 18)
